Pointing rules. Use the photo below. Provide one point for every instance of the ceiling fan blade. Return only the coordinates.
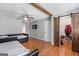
(31, 17)
(19, 17)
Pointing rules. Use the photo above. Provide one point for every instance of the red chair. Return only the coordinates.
(68, 30)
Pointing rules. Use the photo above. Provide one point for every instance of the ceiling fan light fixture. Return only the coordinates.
(25, 18)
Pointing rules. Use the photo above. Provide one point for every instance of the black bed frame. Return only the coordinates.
(35, 52)
(22, 40)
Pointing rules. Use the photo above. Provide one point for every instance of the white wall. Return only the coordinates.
(39, 32)
(9, 18)
(43, 29)
(28, 27)
(52, 30)
(9, 25)
(47, 27)
(63, 22)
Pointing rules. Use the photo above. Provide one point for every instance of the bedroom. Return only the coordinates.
(33, 25)
(15, 23)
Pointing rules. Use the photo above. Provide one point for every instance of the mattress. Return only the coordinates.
(21, 36)
(13, 48)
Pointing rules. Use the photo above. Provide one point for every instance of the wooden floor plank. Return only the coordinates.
(46, 49)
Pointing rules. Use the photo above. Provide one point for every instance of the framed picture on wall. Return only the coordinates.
(34, 26)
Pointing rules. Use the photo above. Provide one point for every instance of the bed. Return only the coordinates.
(12, 47)
(22, 37)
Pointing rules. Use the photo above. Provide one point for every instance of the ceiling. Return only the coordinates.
(60, 8)
(16, 10)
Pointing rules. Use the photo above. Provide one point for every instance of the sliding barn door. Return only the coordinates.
(56, 30)
(75, 33)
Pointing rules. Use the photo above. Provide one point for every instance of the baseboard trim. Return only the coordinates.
(40, 39)
(52, 43)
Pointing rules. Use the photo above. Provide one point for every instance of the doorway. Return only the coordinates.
(59, 30)
(64, 22)
(72, 20)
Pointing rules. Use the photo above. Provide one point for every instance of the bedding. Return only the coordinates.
(13, 48)
(4, 36)
(10, 45)
(21, 36)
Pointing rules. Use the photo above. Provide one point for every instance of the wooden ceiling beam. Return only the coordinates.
(38, 6)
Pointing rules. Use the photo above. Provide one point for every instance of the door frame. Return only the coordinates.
(57, 43)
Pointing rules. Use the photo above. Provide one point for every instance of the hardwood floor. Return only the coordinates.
(46, 49)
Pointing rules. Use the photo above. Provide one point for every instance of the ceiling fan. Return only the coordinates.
(25, 16)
